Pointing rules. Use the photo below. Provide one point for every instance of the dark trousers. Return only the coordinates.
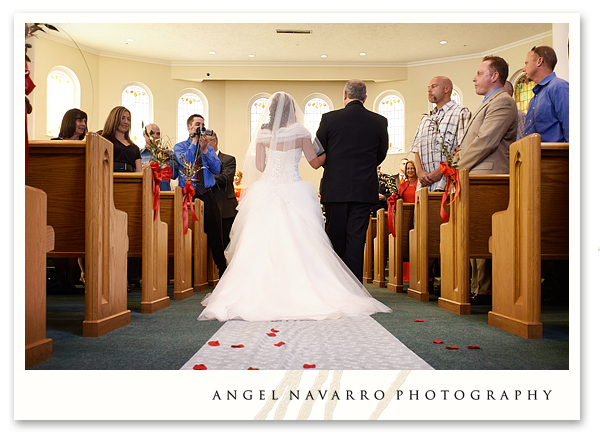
(213, 229)
(226, 224)
(346, 225)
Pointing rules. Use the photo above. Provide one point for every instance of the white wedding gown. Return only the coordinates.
(281, 264)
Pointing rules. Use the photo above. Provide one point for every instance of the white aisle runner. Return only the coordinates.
(351, 343)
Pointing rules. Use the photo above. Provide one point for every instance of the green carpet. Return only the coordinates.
(167, 339)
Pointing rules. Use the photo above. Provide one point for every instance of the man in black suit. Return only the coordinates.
(223, 188)
(356, 142)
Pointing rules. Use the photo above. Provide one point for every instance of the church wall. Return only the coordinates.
(229, 100)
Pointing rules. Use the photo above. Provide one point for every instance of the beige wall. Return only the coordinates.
(102, 80)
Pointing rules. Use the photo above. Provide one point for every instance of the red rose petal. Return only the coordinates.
(438, 341)
(279, 344)
(237, 345)
(418, 320)
(214, 343)
(473, 347)
(252, 368)
(200, 367)
(451, 347)
(270, 334)
(274, 330)
(309, 366)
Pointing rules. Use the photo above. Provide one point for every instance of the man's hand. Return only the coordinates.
(424, 178)
(203, 144)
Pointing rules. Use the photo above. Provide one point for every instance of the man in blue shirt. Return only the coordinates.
(193, 150)
(548, 113)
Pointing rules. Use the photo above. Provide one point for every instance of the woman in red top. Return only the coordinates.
(406, 190)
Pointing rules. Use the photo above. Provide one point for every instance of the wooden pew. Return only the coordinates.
(380, 248)
(398, 246)
(424, 241)
(534, 227)
(200, 249)
(368, 259)
(466, 235)
(77, 177)
(148, 238)
(180, 245)
(39, 240)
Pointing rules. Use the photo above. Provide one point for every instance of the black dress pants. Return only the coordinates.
(213, 229)
(346, 225)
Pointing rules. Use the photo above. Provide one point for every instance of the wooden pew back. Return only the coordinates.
(531, 228)
(466, 235)
(77, 177)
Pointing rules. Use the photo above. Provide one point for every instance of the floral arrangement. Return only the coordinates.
(160, 149)
(389, 182)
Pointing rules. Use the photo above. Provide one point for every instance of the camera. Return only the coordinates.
(203, 132)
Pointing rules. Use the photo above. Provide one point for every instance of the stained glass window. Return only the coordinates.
(392, 107)
(312, 114)
(137, 100)
(523, 93)
(256, 110)
(188, 104)
(61, 97)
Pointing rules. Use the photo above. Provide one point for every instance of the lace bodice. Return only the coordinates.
(282, 166)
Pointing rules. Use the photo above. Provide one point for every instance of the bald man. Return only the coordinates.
(154, 132)
(446, 121)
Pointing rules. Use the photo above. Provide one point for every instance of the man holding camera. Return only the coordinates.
(197, 150)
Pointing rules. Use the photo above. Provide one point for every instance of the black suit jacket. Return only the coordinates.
(223, 188)
(356, 142)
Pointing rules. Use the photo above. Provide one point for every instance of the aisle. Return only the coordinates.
(352, 343)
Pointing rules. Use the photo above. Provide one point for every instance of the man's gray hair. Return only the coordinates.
(356, 89)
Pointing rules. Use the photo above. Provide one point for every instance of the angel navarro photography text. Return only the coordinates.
(378, 395)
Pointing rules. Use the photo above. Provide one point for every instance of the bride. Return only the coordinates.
(281, 264)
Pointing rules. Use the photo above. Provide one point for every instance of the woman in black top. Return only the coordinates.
(126, 154)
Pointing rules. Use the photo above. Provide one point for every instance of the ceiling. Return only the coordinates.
(385, 44)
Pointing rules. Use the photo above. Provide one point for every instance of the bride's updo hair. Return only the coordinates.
(281, 111)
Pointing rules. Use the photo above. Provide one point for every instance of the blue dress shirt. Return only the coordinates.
(210, 162)
(548, 113)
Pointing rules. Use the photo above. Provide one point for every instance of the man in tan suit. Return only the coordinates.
(493, 127)
(485, 145)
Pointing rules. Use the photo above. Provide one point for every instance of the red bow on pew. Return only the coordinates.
(188, 196)
(391, 201)
(451, 175)
(159, 175)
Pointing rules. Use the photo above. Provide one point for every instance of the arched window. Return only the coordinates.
(523, 92)
(313, 110)
(190, 102)
(391, 106)
(63, 93)
(257, 106)
(138, 100)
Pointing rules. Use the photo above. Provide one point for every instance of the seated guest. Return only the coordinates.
(400, 176)
(406, 190)
(73, 125)
(238, 187)
(126, 154)
(548, 112)
(384, 192)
